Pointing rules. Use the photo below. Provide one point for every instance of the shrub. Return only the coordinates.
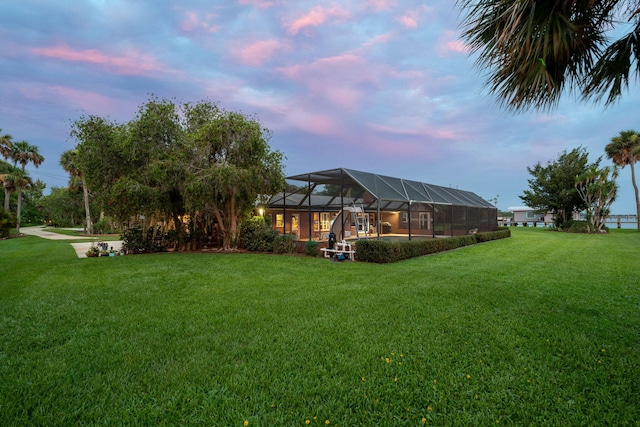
(103, 226)
(311, 248)
(572, 226)
(285, 244)
(100, 227)
(7, 222)
(256, 235)
(380, 251)
(385, 252)
(501, 233)
(135, 240)
(386, 227)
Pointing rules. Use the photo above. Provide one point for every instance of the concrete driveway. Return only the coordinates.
(80, 248)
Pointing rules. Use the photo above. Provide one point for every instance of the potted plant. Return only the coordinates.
(93, 252)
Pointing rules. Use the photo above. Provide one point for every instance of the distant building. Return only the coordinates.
(525, 215)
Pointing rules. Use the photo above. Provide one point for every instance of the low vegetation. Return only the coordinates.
(539, 329)
(381, 251)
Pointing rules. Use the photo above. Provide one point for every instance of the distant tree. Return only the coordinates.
(31, 195)
(69, 162)
(336, 190)
(5, 144)
(533, 50)
(552, 187)
(9, 175)
(624, 150)
(598, 191)
(62, 207)
(101, 160)
(23, 153)
(21, 181)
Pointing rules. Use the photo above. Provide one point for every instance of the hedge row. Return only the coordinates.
(382, 252)
(501, 233)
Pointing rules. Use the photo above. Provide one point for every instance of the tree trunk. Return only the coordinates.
(19, 208)
(225, 238)
(7, 195)
(177, 223)
(233, 224)
(87, 208)
(635, 187)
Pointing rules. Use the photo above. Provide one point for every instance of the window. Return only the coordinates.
(531, 215)
(425, 221)
(279, 221)
(405, 217)
(325, 221)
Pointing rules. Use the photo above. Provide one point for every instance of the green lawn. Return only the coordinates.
(539, 329)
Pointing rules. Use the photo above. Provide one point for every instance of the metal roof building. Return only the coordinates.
(419, 208)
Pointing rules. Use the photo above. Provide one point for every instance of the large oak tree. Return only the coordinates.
(552, 187)
(195, 165)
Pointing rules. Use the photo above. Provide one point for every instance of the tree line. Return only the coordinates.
(573, 184)
(14, 178)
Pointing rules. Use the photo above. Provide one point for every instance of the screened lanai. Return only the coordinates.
(355, 205)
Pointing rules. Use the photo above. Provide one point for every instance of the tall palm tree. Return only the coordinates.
(22, 152)
(534, 49)
(22, 181)
(68, 161)
(624, 150)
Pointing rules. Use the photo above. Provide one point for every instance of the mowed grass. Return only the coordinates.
(539, 329)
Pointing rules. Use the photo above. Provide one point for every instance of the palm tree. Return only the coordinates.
(8, 179)
(68, 161)
(5, 144)
(22, 152)
(21, 181)
(624, 150)
(535, 49)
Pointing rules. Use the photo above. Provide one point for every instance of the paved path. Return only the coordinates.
(41, 232)
(80, 248)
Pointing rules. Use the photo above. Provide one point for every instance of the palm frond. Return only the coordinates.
(534, 50)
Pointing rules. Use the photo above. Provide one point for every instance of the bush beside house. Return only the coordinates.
(382, 252)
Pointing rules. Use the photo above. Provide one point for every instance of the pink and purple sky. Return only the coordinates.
(383, 86)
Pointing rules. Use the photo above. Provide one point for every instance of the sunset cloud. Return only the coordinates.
(258, 53)
(411, 19)
(450, 42)
(314, 18)
(132, 62)
(192, 21)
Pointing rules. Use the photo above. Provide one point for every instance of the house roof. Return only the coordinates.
(391, 193)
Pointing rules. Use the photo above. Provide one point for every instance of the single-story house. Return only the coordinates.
(525, 215)
(355, 204)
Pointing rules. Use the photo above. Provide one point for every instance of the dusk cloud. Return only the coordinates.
(130, 62)
(314, 18)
